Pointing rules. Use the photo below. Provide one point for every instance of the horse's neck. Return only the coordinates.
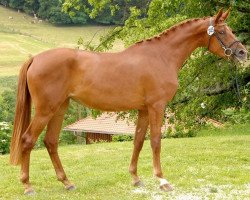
(178, 44)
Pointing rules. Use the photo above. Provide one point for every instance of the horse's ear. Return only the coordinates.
(218, 16)
(225, 14)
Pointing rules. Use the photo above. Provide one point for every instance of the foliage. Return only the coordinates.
(7, 105)
(122, 138)
(78, 12)
(105, 11)
(18, 4)
(31, 6)
(4, 137)
(237, 116)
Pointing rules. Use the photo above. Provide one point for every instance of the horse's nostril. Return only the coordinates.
(242, 52)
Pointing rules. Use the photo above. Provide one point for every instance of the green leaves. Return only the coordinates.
(4, 137)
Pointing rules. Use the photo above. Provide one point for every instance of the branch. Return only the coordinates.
(108, 38)
(214, 91)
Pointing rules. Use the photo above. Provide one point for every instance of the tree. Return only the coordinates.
(17, 4)
(31, 6)
(207, 83)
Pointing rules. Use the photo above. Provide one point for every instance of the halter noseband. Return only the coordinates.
(227, 50)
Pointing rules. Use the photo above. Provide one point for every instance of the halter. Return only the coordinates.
(227, 49)
(228, 52)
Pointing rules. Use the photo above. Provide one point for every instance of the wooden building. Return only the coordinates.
(101, 129)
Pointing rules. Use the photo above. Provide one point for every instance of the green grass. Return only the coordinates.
(57, 35)
(19, 38)
(15, 49)
(199, 168)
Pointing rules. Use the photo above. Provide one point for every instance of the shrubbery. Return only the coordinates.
(5, 132)
(122, 138)
(105, 13)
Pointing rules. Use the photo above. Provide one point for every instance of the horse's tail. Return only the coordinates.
(22, 114)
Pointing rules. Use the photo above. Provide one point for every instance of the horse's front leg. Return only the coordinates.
(141, 129)
(156, 113)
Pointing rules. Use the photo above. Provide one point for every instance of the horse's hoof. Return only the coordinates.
(29, 192)
(166, 187)
(138, 184)
(70, 187)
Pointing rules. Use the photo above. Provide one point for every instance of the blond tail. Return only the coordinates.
(22, 114)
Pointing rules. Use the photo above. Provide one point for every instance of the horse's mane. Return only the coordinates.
(172, 29)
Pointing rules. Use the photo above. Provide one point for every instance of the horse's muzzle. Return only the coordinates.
(241, 54)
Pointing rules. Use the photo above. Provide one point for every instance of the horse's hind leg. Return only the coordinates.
(29, 139)
(51, 143)
(141, 129)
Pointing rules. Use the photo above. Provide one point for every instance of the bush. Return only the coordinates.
(179, 131)
(67, 137)
(122, 138)
(4, 138)
(237, 116)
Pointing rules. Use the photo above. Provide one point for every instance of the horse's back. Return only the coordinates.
(99, 80)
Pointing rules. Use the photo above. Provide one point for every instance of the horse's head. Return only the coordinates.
(222, 41)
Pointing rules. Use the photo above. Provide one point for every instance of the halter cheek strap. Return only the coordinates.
(211, 31)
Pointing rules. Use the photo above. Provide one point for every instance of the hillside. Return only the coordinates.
(20, 37)
(199, 168)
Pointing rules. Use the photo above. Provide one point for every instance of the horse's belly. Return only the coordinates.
(110, 101)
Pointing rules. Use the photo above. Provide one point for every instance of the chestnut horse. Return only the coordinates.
(142, 77)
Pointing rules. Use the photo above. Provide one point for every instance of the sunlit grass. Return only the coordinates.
(212, 167)
(19, 38)
(58, 35)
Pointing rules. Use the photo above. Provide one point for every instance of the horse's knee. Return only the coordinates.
(50, 145)
(27, 143)
(155, 143)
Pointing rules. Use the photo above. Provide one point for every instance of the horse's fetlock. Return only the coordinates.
(24, 178)
(61, 177)
(132, 170)
(158, 174)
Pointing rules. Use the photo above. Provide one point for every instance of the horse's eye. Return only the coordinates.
(221, 32)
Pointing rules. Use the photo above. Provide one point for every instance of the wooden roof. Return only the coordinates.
(106, 124)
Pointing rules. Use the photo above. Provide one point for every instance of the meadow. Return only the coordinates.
(206, 167)
(21, 38)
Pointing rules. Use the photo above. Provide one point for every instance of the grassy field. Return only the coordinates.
(209, 167)
(20, 38)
